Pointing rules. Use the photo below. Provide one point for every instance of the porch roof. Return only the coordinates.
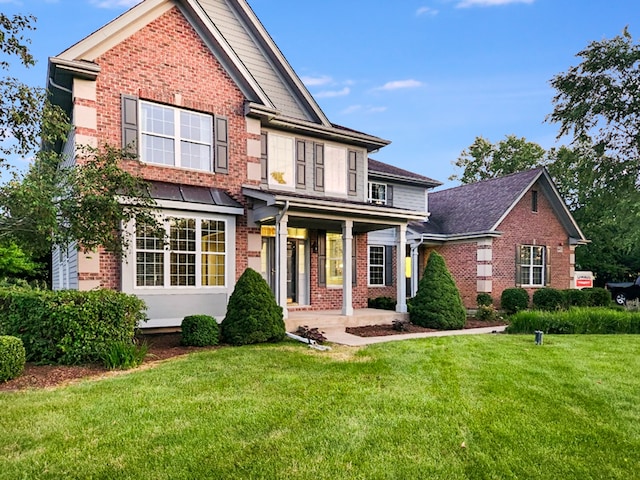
(326, 212)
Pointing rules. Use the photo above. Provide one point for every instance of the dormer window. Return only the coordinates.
(378, 193)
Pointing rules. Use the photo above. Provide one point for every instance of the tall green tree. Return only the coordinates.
(597, 103)
(484, 160)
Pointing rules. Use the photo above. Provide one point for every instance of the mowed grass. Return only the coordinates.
(491, 406)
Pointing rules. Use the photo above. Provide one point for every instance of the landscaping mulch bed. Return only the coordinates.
(161, 347)
(382, 330)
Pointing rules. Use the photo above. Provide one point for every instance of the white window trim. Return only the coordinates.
(129, 270)
(376, 201)
(176, 137)
(369, 265)
(531, 267)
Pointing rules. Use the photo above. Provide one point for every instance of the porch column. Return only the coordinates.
(401, 275)
(281, 263)
(347, 268)
(415, 250)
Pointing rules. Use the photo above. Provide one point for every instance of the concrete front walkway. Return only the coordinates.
(339, 336)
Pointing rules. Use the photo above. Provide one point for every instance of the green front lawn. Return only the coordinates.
(491, 406)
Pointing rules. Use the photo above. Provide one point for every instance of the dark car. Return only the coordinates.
(623, 291)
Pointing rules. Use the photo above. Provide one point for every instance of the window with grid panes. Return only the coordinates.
(532, 264)
(376, 265)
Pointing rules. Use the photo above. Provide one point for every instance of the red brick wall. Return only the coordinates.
(167, 62)
(385, 290)
(524, 227)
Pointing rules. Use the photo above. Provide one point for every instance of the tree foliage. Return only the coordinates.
(599, 99)
(87, 203)
(484, 160)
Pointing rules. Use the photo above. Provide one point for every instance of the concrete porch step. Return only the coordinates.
(334, 318)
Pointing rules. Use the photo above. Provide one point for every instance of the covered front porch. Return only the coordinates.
(315, 255)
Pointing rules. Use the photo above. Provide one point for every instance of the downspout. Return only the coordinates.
(59, 87)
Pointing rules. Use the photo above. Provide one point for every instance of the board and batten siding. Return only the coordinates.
(252, 55)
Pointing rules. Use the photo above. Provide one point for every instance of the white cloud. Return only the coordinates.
(114, 3)
(400, 84)
(316, 81)
(362, 109)
(333, 93)
(489, 3)
(426, 11)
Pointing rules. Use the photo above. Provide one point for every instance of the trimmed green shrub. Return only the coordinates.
(253, 315)
(199, 331)
(548, 299)
(124, 355)
(12, 357)
(487, 313)
(382, 303)
(484, 299)
(595, 320)
(514, 300)
(575, 298)
(598, 297)
(69, 327)
(437, 303)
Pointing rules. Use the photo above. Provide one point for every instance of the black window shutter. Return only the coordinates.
(547, 266)
(354, 267)
(221, 136)
(318, 164)
(518, 266)
(388, 265)
(263, 157)
(322, 258)
(301, 166)
(390, 195)
(353, 172)
(130, 124)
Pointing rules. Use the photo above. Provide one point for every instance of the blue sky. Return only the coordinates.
(429, 75)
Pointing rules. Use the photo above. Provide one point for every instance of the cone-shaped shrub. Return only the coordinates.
(253, 316)
(437, 303)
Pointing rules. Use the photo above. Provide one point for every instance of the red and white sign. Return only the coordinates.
(583, 280)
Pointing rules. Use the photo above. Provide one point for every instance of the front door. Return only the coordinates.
(292, 271)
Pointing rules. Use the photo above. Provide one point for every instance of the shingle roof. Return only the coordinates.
(389, 170)
(475, 207)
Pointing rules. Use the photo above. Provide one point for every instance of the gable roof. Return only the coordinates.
(479, 208)
(389, 172)
(233, 33)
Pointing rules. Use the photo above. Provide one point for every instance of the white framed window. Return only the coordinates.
(176, 137)
(281, 155)
(334, 259)
(185, 252)
(377, 193)
(376, 265)
(335, 170)
(532, 265)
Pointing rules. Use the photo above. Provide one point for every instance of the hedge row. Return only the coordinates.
(69, 327)
(597, 320)
(517, 299)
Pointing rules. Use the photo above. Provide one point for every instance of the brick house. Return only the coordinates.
(500, 233)
(246, 169)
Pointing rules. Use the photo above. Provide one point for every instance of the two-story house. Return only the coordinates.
(246, 169)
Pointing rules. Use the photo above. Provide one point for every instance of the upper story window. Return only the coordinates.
(377, 193)
(280, 166)
(534, 200)
(532, 267)
(176, 137)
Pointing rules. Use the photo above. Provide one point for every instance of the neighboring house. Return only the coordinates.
(505, 232)
(245, 167)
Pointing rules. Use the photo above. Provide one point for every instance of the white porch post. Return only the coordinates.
(401, 275)
(347, 272)
(281, 263)
(414, 269)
